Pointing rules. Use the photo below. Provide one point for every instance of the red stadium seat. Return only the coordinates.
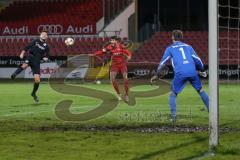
(77, 12)
(12, 47)
(155, 46)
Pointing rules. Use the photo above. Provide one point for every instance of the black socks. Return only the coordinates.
(35, 88)
(19, 70)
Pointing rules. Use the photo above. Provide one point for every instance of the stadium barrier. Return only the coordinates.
(135, 69)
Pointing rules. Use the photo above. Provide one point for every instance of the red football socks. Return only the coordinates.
(126, 87)
(115, 86)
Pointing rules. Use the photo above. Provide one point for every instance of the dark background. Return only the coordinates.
(171, 14)
(187, 15)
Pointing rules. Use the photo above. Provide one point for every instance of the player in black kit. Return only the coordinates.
(37, 50)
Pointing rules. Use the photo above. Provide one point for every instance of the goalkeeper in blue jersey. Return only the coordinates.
(186, 65)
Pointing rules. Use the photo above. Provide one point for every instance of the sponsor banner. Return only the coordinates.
(229, 72)
(148, 70)
(141, 70)
(134, 71)
(10, 61)
(6, 72)
(78, 73)
(52, 29)
(46, 69)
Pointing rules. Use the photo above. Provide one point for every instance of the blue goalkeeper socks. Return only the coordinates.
(205, 99)
(172, 102)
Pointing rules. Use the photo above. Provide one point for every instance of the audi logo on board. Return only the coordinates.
(141, 72)
(51, 29)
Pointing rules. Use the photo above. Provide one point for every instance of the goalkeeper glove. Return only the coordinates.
(202, 73)
(45, 59)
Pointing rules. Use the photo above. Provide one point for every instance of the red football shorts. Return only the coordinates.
(119, 68)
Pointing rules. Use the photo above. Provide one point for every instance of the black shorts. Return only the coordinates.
(33, 63)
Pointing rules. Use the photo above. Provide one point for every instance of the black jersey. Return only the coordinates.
(38, 49)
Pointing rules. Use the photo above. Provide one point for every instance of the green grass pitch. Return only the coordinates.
(32, 131)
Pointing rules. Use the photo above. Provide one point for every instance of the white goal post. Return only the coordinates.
(213, 74)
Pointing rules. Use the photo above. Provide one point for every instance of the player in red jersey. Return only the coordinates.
(119, 56)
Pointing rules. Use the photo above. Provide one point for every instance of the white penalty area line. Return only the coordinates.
(22, 113)
(45, 111)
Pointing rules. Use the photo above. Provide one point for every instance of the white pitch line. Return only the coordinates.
(22, 113)
(25, 113)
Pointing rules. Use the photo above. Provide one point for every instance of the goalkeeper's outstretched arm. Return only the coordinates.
(165, 58)
(162, 65)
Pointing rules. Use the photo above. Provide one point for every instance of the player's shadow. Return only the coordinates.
(163, 151)
(31, 105)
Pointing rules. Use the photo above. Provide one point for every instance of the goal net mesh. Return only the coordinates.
(229, 43)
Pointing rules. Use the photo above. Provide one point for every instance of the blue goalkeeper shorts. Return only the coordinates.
(179, 83)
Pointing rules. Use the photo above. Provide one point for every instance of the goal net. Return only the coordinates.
(229, 43)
